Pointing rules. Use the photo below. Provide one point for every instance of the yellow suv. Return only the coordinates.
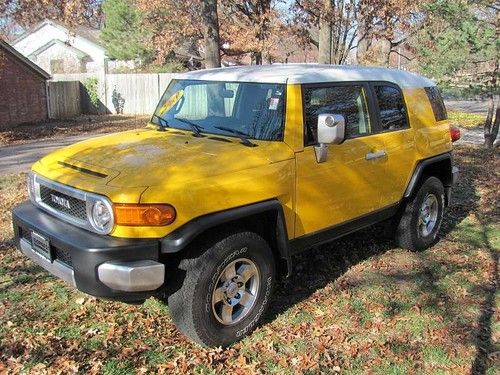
(238, 170)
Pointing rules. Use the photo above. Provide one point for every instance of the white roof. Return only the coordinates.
(308, 73)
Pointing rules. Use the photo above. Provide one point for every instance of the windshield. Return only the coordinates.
(253, 110)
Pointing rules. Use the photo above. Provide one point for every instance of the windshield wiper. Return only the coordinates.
(242, 136)
(194, 127)
(163, 123)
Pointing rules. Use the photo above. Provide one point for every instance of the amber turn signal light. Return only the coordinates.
(144, 214)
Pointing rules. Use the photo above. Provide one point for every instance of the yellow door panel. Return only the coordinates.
(401, 159)
(344, 187)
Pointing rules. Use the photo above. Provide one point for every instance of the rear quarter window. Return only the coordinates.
(391, 106)
(437, 103)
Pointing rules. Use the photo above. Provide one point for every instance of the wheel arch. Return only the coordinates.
(265, 218)
(440, 166)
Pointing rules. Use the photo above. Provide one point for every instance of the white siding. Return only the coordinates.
(49, 32)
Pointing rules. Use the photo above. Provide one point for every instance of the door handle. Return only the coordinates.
(375, 155)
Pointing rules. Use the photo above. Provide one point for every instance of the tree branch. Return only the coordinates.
(402, 55)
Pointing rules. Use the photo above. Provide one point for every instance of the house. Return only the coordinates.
(59, 49)
(23, 88)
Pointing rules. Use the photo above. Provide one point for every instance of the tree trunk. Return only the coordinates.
(492, 122)
(211, 33)
(362, 47)
(325, 34)
(269, 58)
(385, 52)
(257, 58)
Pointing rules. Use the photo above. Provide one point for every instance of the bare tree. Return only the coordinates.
(336, 21)
(251, 26)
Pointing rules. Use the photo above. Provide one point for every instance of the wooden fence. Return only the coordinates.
(64, 99)
(118, 93)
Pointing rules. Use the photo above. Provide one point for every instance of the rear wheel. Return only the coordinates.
(420, 222)
(225, 291)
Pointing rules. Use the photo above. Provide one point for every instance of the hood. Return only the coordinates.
(147, 157)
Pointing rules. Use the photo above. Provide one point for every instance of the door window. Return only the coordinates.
(349, 101)
(392, 108)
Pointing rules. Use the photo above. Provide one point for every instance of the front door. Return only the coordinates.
(352, 181)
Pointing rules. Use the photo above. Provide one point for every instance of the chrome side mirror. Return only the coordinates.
(331, 130)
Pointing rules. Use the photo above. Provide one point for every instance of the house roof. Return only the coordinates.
(309, 73)
(92, 35)
(23, 60)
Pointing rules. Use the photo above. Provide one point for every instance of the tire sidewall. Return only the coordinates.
(242, 245)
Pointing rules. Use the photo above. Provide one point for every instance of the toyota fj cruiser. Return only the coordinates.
(238, 170)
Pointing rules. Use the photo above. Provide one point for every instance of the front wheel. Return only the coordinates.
(420, 222)
(225, 291)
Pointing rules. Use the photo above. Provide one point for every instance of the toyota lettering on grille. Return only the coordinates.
(60, 201)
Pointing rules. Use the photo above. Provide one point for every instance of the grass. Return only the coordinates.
(466, 119)
(358, 305)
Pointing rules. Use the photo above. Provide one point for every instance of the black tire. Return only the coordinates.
(409, 233)
(191, 306)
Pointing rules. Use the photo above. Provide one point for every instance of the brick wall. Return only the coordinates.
(22, 93)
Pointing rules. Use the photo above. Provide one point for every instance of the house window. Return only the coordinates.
(57, 66)
(83, 66)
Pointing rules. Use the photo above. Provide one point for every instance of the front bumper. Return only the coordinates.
(103, 266)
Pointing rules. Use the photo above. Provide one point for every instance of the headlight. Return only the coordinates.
(100, 216)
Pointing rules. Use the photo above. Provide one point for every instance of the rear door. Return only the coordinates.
(398, 138)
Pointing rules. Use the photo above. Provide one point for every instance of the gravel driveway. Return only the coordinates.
(470, 106)
(19, 158)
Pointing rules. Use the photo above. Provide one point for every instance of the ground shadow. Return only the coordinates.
(484, 344)
(315, 268)
(319, 266)
(90, 106)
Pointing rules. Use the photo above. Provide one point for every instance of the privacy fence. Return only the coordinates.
(64, 99)
(73, 94)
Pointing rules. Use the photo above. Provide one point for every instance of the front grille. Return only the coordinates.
(59, 254)
(75, 208)
(25, 234)
(67, 203)
(63, 256)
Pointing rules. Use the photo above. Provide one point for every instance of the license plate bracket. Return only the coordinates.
(41, 245)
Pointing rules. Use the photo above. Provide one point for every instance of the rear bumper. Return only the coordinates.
(103, 266)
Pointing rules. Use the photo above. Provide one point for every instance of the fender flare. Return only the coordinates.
(419, 170)
(184, 235)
